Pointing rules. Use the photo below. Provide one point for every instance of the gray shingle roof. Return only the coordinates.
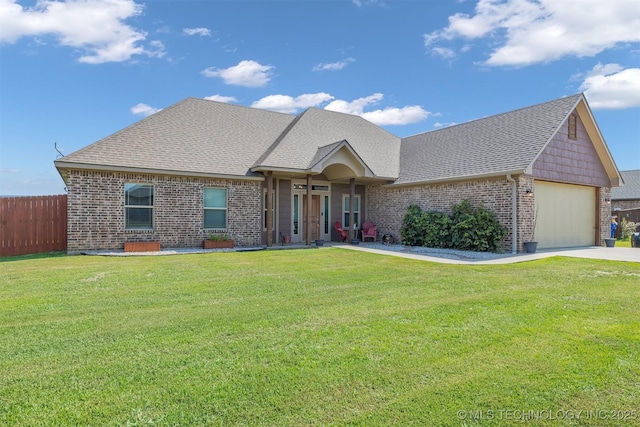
(192, 136)
(498, 144)
(197, 136)
(317, 128)
(631, 188)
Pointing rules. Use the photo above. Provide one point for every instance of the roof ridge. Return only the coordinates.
(246, 107)
(578, 95)
(279, 139)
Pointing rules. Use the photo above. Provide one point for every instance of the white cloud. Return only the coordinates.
(334, 65)
(612, 87)
(386, 116)
(381, 117)
(197, 31)
(290, 105)
(220, 98)
(533, 31)
(354, 107)
(157, 50)
(143, 110)
(439, 125)
(361, 3)
(96, 27)
(396, 116)
(444, 52)
(246, 73)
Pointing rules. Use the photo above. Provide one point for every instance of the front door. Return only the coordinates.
(315, 216)
(320, 213)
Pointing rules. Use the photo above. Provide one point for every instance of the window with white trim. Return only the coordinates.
(138, 207)
(215, 208)
(346, 208)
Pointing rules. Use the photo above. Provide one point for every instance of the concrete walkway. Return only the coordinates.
(463, 257)
(445, 256)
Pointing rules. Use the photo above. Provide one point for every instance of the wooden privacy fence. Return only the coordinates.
(30, 225)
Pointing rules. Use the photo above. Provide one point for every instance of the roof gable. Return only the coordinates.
(571, 160)
(339, 161)
(317, 128)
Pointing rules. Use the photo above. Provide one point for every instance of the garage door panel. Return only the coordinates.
(566, 215)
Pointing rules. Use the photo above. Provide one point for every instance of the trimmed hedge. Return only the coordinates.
(467, 228)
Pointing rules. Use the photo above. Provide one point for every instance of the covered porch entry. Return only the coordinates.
(305, 205)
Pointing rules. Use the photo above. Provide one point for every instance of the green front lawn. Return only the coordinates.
(317, 337)
(623, 243)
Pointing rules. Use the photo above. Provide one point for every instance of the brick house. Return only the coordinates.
(625, 200)
(202, 166)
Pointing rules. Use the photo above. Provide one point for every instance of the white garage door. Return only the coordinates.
(566, 215)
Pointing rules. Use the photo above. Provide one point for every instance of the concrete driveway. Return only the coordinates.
(464, 257)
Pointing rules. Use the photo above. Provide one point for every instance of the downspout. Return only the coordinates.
(514, 214)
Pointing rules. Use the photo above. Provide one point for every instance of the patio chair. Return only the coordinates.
(369, 231)
(343, 234)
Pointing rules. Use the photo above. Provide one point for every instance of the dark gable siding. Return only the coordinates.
(571, 161)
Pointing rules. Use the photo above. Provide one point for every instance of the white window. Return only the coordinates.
(215, 208)
(138, 206)
(296, 215)
(345, 210)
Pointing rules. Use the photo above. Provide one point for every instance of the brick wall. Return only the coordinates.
(96, 210)
(604, 214)
(387, 206)
(622, 205)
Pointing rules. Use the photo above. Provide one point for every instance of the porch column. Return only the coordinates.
(309, 207)
(269, 208)
(352, 202)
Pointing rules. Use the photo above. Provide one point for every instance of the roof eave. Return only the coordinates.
(514, 172)
(62, 165)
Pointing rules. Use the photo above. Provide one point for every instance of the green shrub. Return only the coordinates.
(218, 237)
(465, 229)
(437, 230)
(627, 228)
(413, 228)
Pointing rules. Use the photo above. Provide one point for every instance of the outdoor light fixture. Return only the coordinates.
(528, 192)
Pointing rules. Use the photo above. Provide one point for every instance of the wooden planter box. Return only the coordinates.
(141, 246)
(217, 244)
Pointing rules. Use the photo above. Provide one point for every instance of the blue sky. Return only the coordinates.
(73, 72)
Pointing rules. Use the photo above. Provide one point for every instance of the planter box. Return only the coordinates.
(217, 244)
(141, 246)
(610, 243)
(530, 247)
